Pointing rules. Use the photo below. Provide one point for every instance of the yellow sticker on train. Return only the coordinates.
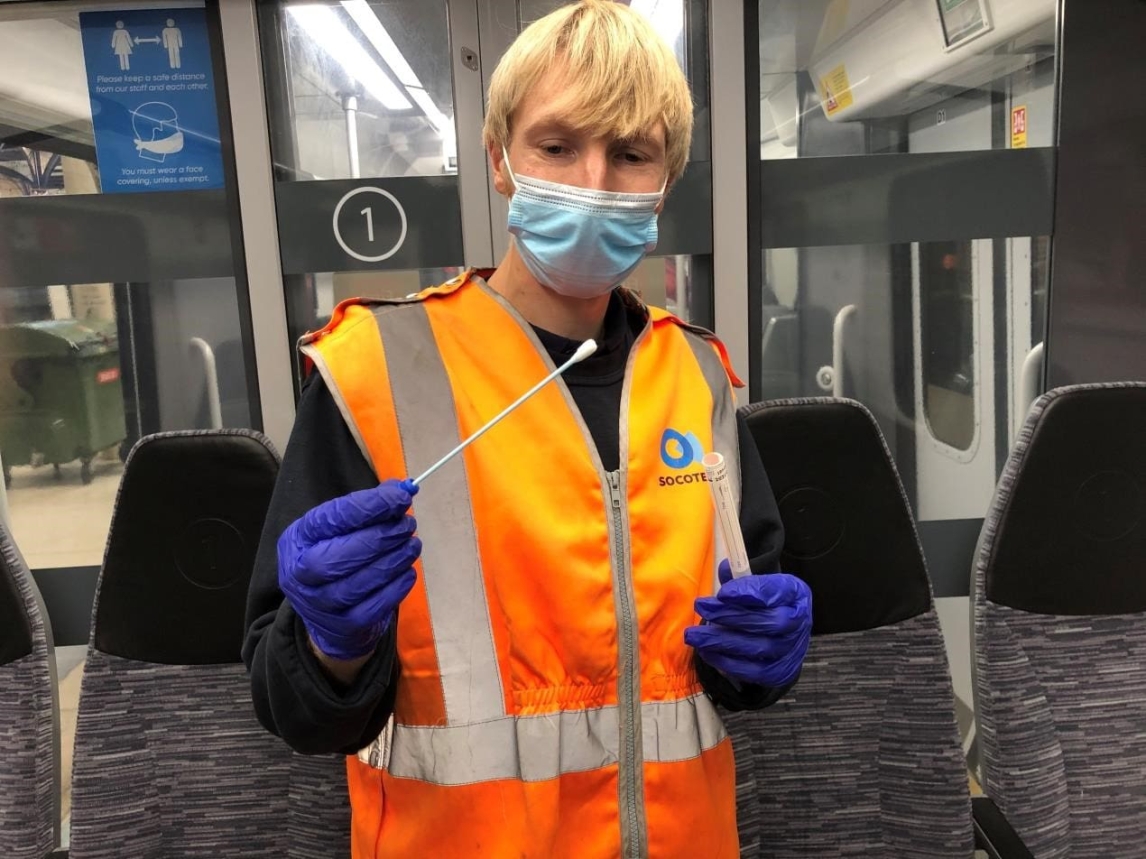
(835, 90)
(1019, 127)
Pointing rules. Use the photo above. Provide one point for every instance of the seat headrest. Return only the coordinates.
(182, 547)
(848, 530)
(1067, 530)
(15, 625)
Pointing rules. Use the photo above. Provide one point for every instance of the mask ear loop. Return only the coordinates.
(509, 167)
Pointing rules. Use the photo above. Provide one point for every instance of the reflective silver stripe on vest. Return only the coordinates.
(680, 730)
(540, 748)
(725, 434)
(451, 562)
(343, 407)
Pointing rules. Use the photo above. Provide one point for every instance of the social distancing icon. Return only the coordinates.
(123, 45)
(155, 115)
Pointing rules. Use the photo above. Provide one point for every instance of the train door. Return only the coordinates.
(953, 337)
(905, 199)
(978, 309)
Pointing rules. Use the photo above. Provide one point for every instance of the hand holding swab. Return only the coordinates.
(583, 351)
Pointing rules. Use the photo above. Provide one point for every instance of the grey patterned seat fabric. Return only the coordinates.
(862, 756)
(29, 715)
(170, 759)
(1059, 609)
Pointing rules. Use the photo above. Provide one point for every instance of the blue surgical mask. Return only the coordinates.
(576, 241)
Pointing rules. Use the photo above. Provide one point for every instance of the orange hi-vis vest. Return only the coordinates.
(547, 705)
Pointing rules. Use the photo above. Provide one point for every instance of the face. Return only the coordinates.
(543, 146)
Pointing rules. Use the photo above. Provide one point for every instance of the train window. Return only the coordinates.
(361, 107)
(360, 89)
(947, 336)
(120, 313)
(87, 369)
(840, 78)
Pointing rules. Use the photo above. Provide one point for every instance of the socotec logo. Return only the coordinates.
(679, 451)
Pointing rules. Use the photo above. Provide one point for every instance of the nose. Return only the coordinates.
(595, 166)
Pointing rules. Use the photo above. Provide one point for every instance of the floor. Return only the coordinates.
(56, 520)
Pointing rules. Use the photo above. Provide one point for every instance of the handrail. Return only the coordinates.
(214, 403)
(1030, 384)
(839, 330)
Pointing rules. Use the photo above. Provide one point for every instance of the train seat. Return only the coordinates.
(29, 714)
(1059, 610)
(862, 756)
(170, 759)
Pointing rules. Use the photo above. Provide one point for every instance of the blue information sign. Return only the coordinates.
(153, 100)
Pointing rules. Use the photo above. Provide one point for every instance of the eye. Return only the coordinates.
(631, 156)
(554, 149)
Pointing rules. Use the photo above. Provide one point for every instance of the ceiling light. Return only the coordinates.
(328, 31)
(372, 28)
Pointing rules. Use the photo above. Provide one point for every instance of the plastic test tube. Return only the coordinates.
(726, 513)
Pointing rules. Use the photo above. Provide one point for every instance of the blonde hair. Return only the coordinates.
(625, 77)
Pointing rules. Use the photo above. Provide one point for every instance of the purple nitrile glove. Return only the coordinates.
(757, 629)
(346, 565)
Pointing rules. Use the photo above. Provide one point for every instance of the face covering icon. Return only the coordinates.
(157, 132)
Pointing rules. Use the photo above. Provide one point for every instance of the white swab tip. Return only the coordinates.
(585, 350)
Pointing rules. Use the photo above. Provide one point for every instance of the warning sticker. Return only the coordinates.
(104, 377)
(835, 90)
(1019, 127)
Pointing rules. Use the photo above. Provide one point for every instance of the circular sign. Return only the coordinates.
(211, 554)
(1108, 506)
(813, 523)
(372, 227)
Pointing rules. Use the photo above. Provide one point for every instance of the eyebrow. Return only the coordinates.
(552, 123)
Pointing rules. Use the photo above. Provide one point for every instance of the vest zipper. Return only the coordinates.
(631, 775)
(631, 765)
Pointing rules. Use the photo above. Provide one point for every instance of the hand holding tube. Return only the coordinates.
(758, 627)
